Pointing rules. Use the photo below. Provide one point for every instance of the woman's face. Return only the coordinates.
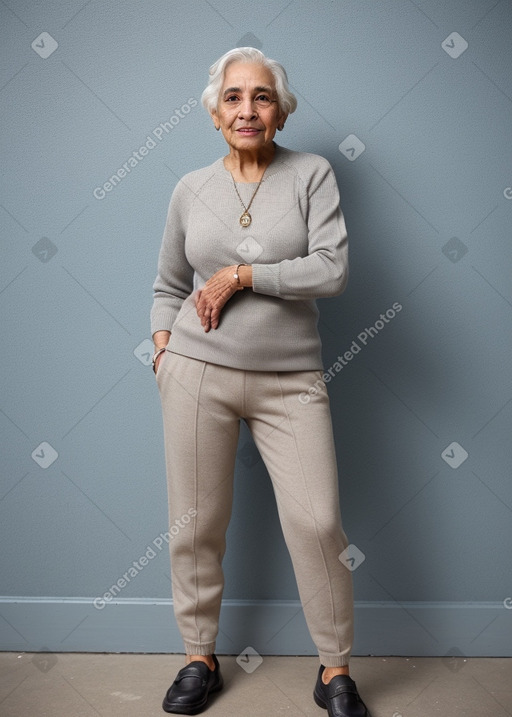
(248, 112)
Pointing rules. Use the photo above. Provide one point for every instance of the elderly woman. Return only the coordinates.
(250, 242)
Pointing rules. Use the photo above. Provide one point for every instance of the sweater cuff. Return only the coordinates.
(162, 319)
(265, 279)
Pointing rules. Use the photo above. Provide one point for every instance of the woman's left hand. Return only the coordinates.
(210, 300)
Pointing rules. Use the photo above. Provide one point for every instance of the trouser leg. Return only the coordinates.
(296, 443)
(201, 435)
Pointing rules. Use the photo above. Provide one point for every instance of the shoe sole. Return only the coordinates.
(180, 709)
(319, 701)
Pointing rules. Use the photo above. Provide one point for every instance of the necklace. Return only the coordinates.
(245, 218)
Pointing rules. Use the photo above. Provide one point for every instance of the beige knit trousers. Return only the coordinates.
(202, 406)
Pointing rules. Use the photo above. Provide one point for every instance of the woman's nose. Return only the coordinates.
(247, 109)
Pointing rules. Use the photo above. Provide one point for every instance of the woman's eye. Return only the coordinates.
(232, 98)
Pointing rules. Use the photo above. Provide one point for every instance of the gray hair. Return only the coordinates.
(210, 97)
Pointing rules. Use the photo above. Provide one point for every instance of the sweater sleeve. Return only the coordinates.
(324, 271)
(175, 278)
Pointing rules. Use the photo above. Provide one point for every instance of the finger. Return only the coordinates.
(215, 316)
(206, 319)
(200, 305)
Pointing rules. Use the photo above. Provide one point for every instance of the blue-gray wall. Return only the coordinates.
(422, 403)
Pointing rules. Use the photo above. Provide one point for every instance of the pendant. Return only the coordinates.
(245, 219)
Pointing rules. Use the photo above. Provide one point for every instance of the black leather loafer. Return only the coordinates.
(340, 697)
(189, 692)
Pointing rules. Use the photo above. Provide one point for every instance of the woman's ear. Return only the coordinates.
(213, 115)
(282, 120)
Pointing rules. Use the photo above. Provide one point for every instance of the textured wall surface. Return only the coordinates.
(411, 102)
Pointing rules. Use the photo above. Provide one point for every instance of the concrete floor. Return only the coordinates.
(88, 685)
